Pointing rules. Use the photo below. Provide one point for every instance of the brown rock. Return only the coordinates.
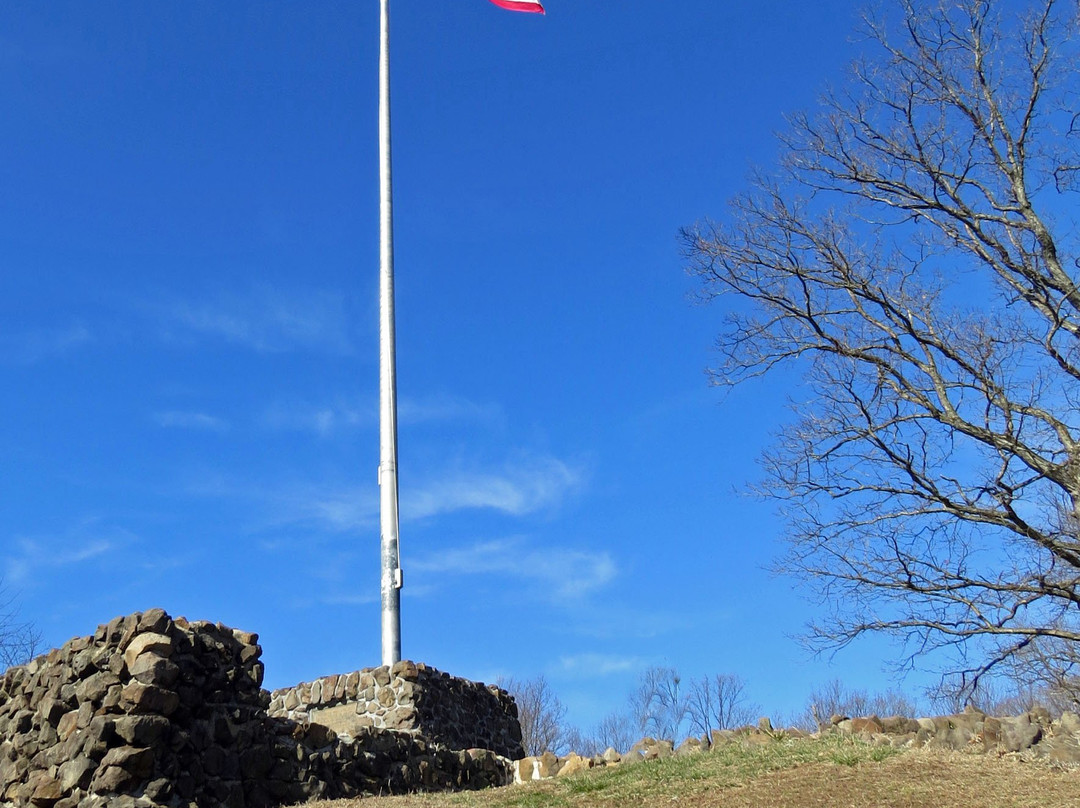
(572, 764)
(866, 726)
(141, 730)
(719, 737)
(137, 762)
(82, 664)
(142, 698)
(245, 637)
(319, 736)
(689, 747)
(50, 711)
(329, 686)
(899, 725)
(110, 780)
(155, 621)
(46, 792)
(546, 765)
(92, 690)
(148, 643)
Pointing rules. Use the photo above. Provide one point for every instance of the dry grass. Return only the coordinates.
(789, 774)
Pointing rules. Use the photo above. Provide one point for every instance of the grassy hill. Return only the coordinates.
(829, 772)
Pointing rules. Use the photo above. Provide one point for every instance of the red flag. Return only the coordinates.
(520, 5)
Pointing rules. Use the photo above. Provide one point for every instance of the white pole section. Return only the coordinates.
(390, 581)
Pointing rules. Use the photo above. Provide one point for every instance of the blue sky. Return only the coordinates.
(188, 332)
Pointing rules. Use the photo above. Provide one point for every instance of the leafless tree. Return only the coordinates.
(916, 257)
(614, 731)
(658, 706)
(719, 702)
(20, 641)
(540, 713)
(1005, 697)
(835, 698)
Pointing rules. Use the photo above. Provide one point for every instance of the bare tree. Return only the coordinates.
(614, 731)
(1005, 697)
(20, 641)
(916, 257)
(835, 698)
(659, 704)
(719, 702)
(540, 713)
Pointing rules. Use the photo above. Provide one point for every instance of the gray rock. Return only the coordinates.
(137, 762)
(76, 773)
(142, 730)
(1020, 733)
(150, 669)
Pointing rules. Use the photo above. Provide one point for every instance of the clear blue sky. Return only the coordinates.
(188, 332)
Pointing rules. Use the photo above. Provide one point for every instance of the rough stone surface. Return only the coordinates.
(1030, 735)
(408, 697)
(156, 712)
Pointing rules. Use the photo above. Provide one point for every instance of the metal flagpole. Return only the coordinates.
(390, 580)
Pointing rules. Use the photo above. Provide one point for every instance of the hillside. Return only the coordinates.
(810, 773)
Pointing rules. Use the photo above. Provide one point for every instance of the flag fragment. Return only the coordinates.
(520, 5)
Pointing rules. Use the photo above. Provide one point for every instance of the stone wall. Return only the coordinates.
(1033, 735)
(409, 697)
(155, 712)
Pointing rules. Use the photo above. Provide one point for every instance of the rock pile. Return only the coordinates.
(409, 697)
(155, 712)
(1031, 735)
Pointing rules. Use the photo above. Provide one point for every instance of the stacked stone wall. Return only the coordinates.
(1033, 735)
(152, 712)
(408, 697)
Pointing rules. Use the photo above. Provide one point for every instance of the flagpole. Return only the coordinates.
(390, 579)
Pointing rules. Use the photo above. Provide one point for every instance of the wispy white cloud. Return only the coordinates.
(31, 557)
(519, 488)
(343, 509)
(330, 418)
(591, 665)
(265, 320)
(175, 419)
(89, 543)
(29, 347)
(562, 573)
(441, 408)
(349, 600)
(322, 419)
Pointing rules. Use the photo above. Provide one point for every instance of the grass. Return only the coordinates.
(831, 772)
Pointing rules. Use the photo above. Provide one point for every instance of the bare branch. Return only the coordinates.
(914, 258)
